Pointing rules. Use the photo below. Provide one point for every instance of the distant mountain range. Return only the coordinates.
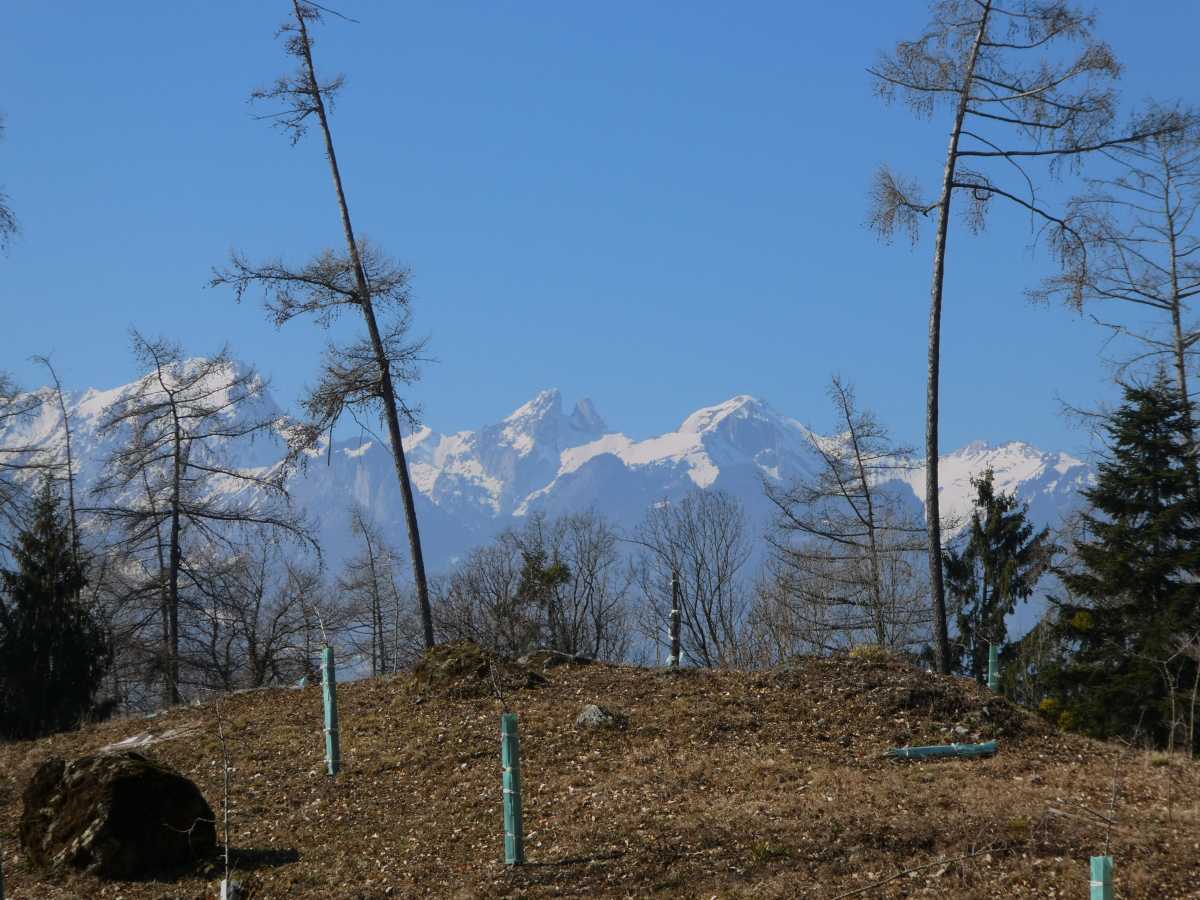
(472, 484)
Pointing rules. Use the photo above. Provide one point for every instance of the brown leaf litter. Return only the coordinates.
(723, 784)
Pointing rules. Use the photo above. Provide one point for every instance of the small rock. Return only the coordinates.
(593, 716)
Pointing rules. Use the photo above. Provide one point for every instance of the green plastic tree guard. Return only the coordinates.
(333, 746)
(1102, 878)
(967, 750)
(510, 755)
(993, 667)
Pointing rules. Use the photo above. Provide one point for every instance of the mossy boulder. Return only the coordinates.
(115, 815)
(463, 668)
(545, 658)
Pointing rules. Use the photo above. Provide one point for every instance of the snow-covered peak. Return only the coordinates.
(743, 406)
(975, 448)
(546, 403)
(541, 425)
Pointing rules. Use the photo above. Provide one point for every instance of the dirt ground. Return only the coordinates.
(722, 784)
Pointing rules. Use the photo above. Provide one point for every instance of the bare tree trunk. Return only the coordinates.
(176, 558)
(872, 544)
(175, 551)
(1195, 690)
(62, 407)
(163, 597)
(941, 633)
(1180, 342)
(386, 387)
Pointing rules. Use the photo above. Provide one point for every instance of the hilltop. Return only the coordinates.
(728, 784)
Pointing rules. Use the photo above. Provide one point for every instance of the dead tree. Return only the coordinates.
(171, 491)
(1144, 249)
(360, 376)
(1025, 84)
(843, 543)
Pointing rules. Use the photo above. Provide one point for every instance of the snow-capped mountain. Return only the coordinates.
(472, 484)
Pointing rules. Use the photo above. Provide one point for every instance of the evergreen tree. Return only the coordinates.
(999, 563)
(53, 653)
(1134, 595)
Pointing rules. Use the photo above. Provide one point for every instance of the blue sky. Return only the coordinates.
(655, 205)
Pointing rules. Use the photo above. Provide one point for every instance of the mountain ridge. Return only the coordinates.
(471, 484)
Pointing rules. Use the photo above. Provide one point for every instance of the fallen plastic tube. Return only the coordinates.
(967, 750)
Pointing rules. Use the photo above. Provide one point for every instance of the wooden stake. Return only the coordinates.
(1102, 878)
(673, 660)
(510, 755)
(993, 667)
(333, 747)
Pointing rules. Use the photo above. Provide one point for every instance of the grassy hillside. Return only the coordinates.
(723, 784)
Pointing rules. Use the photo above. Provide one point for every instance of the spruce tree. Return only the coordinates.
(1133, 587)
(53, 652)
(998, 564)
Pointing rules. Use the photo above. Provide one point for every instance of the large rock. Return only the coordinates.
(116, 815)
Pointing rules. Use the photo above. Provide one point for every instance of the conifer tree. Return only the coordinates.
(998, 564)
(1025, 84)
(53, 653)
(1134, 593)
(362, 375)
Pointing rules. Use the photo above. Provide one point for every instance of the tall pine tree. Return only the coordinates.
(1134, 594)
(998, 564)
(53, 653)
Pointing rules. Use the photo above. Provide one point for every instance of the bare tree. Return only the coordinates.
(379, 614)
(703, 540)
(251, 628)
(126, 591)
(362, 375)
(8, 220)
(1019, 95)
(481, 601)
(559, 583)
(18, 459)
(1143, 243)
(843, 543)
(69, 475)
(171, 491)
(585, 609)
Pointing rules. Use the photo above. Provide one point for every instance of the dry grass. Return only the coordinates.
(724, 785)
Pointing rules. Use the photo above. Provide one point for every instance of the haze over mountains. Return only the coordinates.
(472, 484)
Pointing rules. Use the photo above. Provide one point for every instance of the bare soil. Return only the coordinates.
(723, 784)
